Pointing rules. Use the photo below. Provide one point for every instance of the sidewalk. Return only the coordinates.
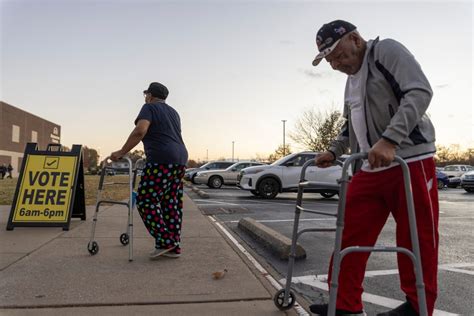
(48, 271)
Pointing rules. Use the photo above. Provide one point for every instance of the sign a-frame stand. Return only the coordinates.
(50, 188)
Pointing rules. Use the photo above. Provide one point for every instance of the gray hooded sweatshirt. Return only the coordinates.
(397, 95)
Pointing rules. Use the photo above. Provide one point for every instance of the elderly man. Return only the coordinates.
(385, 101)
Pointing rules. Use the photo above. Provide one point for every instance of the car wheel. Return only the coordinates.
(268, 188)
(440, 184)
(327, 195)
(192, 179)
(215, 182)
(255, 192)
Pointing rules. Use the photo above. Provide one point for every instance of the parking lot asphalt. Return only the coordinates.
(456, 256)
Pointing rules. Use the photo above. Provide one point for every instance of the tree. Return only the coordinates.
(315, 130)
(279, 153)
(452, 154)
(136, 155)
(192, 164)
(258, 157)
(90, 158)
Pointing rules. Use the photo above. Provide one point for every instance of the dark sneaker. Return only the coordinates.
(322, 309)
(403, 310)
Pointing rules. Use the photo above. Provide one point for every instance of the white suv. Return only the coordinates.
(284, 175)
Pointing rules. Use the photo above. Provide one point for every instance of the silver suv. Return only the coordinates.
(211, 165)
(284, 175)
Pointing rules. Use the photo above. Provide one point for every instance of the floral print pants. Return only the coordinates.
(160, 203)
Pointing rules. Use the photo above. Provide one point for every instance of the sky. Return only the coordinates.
(235, 69)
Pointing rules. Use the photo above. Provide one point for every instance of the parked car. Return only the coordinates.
(109, 172)
(455, 172)
(467, 181)
(284, 174)
(216, 178)
(212, 165)
(442, 179)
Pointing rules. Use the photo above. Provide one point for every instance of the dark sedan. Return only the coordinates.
(442, 179)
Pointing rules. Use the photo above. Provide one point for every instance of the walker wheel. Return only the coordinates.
(124, 239)
(278, 299)
(93, 247)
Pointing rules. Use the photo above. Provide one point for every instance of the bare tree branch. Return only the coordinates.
(315, 130)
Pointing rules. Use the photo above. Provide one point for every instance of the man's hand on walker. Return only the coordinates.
(324, 159)
(381, 154)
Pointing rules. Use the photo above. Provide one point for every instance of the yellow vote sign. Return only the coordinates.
(47, 189)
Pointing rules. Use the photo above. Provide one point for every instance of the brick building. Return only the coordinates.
(18, 127)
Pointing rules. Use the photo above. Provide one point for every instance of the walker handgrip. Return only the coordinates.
(107, 160)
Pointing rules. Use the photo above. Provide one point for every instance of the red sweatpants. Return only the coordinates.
(371, 197)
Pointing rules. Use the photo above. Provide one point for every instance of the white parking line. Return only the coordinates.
(212, 202)
(253, 202)
(456, 217)
(311, 280)
(454, 267)
(288, 220)
(307, 219)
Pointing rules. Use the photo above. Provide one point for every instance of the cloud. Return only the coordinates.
(442, 85)
(287, 42)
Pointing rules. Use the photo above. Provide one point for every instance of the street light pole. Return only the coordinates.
(233, 151)
(284, 148)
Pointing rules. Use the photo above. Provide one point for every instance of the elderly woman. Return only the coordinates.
(160, 191)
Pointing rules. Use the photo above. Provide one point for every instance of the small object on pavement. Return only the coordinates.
(219, 274)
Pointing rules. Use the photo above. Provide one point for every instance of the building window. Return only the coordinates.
(34, 136)
(15, 133)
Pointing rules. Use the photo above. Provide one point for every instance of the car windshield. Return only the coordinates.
(206, 165)
(451, 168)
(279, 161)
(235, 165)
(238, 166)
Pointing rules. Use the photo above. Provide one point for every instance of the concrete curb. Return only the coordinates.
(271, 239)
(200, 193)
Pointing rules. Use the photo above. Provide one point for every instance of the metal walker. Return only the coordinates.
(127, 237)
(284, 299)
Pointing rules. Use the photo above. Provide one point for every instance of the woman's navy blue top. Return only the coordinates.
(163, 141)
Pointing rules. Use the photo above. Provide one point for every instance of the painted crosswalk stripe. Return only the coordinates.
(313, 281)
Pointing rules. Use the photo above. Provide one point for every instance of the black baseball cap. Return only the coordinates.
(157, 90)
(329, 36)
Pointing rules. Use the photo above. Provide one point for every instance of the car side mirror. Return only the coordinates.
(289, 164)
(234, 169)
(207, 168)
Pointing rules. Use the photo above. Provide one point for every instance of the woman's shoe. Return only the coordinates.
(159, 252)
(173, 255)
